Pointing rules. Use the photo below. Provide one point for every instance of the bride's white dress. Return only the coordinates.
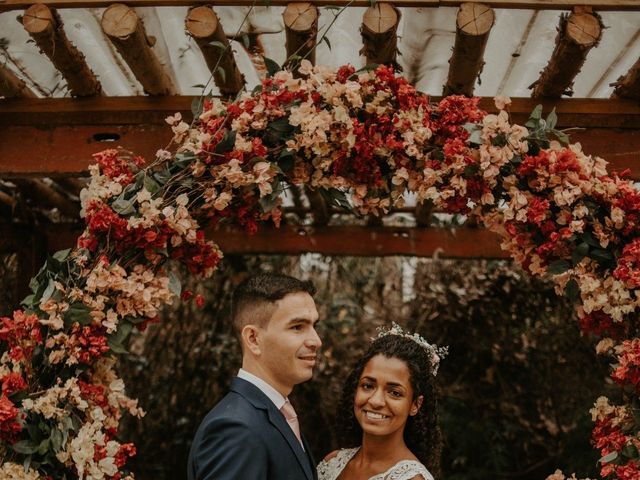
(403, 470)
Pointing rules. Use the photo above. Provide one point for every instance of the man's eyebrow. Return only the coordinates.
(300, 320)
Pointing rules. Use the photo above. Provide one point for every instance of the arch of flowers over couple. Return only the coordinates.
(368, 133)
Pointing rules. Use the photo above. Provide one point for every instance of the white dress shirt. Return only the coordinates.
(274, 395)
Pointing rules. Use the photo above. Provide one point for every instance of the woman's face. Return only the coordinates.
(384, 396)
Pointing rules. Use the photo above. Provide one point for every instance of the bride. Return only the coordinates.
(388, 413)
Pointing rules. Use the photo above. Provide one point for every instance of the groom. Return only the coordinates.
(253, 432)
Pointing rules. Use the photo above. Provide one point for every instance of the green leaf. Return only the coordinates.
(630, 451)
(222, 74)
(217, 44)
(561, 136)
(272, 66)
(572, 290)
(175, 286)
(122, 206)
(269, 202)
(151, 185)
(558, 267)
(281, 126)
(26, 447)
(552, 119)
(609, 458)
(196, 106)
(227, 143)
(336, 197)
(325, 39)
(44, 446)
(56, 439)
(62, 255)
(536, 114)
(78, 312)
(246, 41)
(117, 339)
(588, 238)
(579, 253)
(46, 295)
(286, 160)
(600, 255)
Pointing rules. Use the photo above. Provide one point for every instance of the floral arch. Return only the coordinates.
(368, 133)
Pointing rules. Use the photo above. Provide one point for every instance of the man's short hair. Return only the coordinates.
(253, 300)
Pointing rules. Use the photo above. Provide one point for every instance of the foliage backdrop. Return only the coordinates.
(514, 391)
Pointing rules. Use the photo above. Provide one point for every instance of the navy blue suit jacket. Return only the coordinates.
(245, 437)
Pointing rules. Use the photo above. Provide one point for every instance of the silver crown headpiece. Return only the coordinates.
(435, 353)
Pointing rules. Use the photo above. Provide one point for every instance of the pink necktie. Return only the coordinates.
(291, 418)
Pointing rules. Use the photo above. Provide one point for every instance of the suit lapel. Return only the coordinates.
(312, 460)
(259, 400)
(278, 421)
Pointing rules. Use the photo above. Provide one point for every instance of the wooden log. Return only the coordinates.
(301, 27)
(578, 33)
(473, 25)
(628, 86)
(203, 25)
(12, 87)
(379, 34)
(126, 31)
(423, 213)
(319, 208)
(600, 5)
(44, 195)
(45, 27)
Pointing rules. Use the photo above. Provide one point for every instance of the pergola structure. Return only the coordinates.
(48, 133)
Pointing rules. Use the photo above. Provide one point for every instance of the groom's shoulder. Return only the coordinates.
(234, 407)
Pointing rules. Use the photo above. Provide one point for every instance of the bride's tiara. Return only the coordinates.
(435, 353)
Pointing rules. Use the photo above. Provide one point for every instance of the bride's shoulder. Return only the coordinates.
(334, 463)
(408, 470)
(331, 455)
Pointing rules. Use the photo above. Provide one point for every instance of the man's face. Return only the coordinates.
(289, 343)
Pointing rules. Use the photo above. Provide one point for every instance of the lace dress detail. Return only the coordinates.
(403, 470)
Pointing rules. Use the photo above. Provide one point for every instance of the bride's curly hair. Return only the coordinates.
(421, 433)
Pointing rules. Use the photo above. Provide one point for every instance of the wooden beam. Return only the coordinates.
(203, 25)
(600, 5)
(51, 112)
(628, 86)
(473, 25)
(578, 33)
(45, 27)
(126, 31)
(11, 86)
(45, 196)
(460, 242)
(67, 150)
(301, 28)
(379, 34)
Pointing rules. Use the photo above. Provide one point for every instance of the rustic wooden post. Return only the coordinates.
(473, 25)
(578, 33)
(126, 31)
(379, 34)
(42, 193)
(301, 27)
(203, 25)
(628, 86)
(11, 86)
(45, 27)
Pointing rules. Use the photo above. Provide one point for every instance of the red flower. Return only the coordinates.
(94, 393)
(537, 210)
(22, 334)
(11, 383)
(344, 73)
(116, 167)
(199, 301)
(10, 426)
